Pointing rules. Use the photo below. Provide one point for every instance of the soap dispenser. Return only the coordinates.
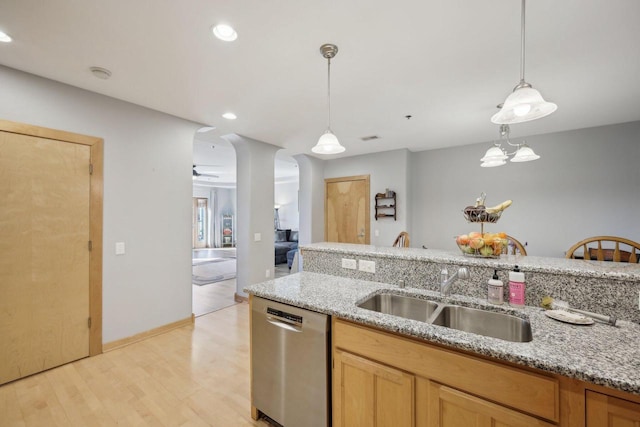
(516, 288)
(495, 293)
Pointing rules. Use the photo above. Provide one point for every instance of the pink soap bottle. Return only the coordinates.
(516, 288)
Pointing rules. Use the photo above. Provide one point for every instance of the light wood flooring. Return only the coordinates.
(215, 296)
(192, 376)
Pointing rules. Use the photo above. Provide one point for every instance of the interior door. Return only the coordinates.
(44, 253)
(346, 217)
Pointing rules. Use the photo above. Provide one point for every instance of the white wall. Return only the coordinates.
(586, 183)
(255, 162)
(147, 195)
(311, 197)
(286, 196)
(389, 169)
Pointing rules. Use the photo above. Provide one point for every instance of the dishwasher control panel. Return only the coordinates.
(284, 315)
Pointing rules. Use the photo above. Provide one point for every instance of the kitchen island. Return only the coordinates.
(565, 375)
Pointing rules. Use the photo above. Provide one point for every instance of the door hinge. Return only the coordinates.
(90, 169)
(90, 245)
(89, 322)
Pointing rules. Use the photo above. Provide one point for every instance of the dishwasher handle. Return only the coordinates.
(283, 324)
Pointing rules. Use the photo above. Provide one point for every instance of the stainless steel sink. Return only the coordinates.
(399, 305)
(482, 322)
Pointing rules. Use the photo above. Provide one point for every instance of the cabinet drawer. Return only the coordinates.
(526, 391)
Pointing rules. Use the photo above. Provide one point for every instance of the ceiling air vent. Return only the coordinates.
(370, 138)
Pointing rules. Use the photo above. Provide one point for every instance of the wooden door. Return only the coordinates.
(369, 394)
(608, 411)
(45, 200)
(452, 408)
(346, 216)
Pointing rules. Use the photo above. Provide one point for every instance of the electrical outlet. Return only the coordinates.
(349, 263)
(267, 273)
(367, 266)
(376, 233)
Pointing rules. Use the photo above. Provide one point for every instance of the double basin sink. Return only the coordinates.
(482, 322)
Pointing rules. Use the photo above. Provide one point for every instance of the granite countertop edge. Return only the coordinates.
(597, 354)
(572, 267)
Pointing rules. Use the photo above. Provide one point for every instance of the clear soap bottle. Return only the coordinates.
(495, 290)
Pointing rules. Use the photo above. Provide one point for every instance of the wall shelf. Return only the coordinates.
(386, 205)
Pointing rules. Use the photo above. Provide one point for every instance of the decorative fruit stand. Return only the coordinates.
(481, 244)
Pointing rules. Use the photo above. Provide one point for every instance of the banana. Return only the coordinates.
(497, 208)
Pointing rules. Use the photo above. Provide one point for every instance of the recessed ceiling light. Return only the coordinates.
(229, 116)
(4, 37)
(225, 32)
(101, 73)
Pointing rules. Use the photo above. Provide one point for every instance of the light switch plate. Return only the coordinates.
(120, 248)
(367, 266)
(257, 237)
(349, 263)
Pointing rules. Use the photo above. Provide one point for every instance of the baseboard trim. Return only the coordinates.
(240, 298)
(113, 345)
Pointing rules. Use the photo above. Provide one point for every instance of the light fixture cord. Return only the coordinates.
(522, 43)
(329, 94)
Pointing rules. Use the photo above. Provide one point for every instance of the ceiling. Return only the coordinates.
(446, 63)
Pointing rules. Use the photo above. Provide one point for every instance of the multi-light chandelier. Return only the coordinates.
(497, 155)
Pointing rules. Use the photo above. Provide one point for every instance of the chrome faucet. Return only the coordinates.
(446, 282)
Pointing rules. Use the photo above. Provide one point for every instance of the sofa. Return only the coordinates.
(285, 241)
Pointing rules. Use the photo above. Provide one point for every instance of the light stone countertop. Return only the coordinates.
(573, 267)
(598, 354)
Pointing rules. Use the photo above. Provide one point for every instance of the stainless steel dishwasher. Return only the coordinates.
(290, 364)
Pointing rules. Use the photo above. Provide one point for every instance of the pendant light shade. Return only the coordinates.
(525, 154)
(525, 103)
(328, 142)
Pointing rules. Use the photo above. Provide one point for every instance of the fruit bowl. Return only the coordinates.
(487, 245)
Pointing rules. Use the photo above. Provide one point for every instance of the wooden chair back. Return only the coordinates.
(402, 241)
(607, 253)
(514, 247)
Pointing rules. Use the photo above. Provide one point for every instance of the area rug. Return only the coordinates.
(213, 270)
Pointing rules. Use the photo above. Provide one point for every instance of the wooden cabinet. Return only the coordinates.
(449, 407)
(380, 376)
(608, 411)
(386, 205)
(369, 394)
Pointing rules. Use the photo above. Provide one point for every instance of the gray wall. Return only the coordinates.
(389, 169)
(147, 195)
(255, 174)
(586, 183)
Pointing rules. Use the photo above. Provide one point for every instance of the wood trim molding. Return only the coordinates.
(239, 298)
(113, 345)
(95, 215)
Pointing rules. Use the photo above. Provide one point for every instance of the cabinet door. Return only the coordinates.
(607, 411)
(452, 408)
(368, 394)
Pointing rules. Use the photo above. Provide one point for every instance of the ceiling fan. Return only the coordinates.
(197, 174)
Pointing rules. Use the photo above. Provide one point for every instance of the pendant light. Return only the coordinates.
(497, 156)
(524, 103)
(328, 143)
